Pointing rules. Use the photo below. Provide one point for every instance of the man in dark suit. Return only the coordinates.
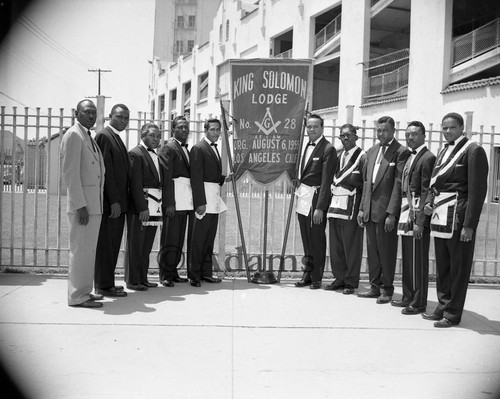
(145, 194)
(206, 179)
(346, 236)
(316, 172)
(116, 194)
(414, 224)
(458, 188)
(380, 207)
(178, 205)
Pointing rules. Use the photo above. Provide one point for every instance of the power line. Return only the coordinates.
(99, 78)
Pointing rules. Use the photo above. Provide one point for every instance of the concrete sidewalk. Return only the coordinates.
(240, 340)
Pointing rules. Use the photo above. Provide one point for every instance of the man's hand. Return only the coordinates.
(360, 219)
(390, 222)
(116, 210)
(418, 231)
(295, 183)
(317, 216)
(83, 215)
(428, 209)
(200, 210)
(466, 234)
(144, 215)
(170, 211)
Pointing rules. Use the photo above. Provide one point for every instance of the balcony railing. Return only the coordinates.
(476, 42)
(285, 54)
(329, 31)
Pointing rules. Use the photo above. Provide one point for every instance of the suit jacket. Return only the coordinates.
(417, 181)
(83, 170)
(384, 195)
(143, 175)
(205, 167)
(176, 165)
(117, 169)
(353, 181)
(318, 171)
(469, 178)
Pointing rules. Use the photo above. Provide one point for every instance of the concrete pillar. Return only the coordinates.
(100, 103)
(355, 45)
(430, 57)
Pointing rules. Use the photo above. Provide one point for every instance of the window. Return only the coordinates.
(179, 48)
(203, 86)
(161, 103)
(173, 99)
(190, 45)
(220, 33)
(180, 21)
(227, 30)
(192, 21)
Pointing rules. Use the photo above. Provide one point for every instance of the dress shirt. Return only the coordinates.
(154, 157)
(449, 149)
(184, 148)
(213, 146)
(380, 155)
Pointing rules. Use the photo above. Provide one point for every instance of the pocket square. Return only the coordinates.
(315, 159)
(392, 164)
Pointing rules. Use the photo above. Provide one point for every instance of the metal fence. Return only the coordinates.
(476, 42)
(34, 229)
(329, 31)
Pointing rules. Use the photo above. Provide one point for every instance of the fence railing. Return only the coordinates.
(328, 32)
(476, 42)
(34, 229)
(284, 54)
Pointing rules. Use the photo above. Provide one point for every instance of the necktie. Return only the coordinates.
(91, 141)
(344, 156)
(381, 153)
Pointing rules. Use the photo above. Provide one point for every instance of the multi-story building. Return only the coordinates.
(411, 59)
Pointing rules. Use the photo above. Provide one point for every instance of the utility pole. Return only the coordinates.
(99, 78)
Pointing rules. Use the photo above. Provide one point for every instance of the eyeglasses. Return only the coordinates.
(344, 136)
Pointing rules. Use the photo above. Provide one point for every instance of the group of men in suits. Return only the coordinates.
(108, 186)
(389, 191)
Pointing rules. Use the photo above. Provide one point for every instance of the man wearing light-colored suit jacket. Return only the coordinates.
(116, 192)
(380, 208)
(459, 182)
(414, 224)
(316, 173)
(206, 179)
(146, 193)
(83, 173)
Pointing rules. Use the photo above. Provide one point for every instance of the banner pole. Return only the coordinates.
(292, 199)
(235, 191)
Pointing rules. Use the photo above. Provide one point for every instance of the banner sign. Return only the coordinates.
(269, 98)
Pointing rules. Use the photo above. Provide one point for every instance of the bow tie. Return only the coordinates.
(414, 152)
(450, 143)
(184, 145)
(213, 145)
(311, 144)
(151, 150)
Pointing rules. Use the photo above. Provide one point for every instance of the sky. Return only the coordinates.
(45, 58)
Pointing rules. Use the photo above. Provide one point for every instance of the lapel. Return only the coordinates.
(317, 149)
(183, 154)
(151, 164)
(121, 146)
(94, 149)
(444, 177)
(351, 161)
(212, 154)
(415, 161)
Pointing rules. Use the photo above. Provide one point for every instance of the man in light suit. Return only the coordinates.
(83, 173)
(316, 173)
(116, 192)
(380, 207)
(145, 187)
(346, 236)
(415, 247)
(178, 205)
(461, 173)
(206, 179)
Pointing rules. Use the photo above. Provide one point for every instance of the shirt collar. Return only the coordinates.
(420, 148)
(113, 129)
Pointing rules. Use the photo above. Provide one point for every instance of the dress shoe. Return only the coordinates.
(431, 316)
(195, 283)
(150, 285)
(213, 280)
(413, 309)
(336, 285)
(348, 290)
(180, 280)
(167, 283)
(89, 303)
(137, 287)
(371, 293)
(112, 292)
(444, 323)
(96, 297)
(315, 285)
(384, 298)
(302, 283)
(118, 287)
(399, 303)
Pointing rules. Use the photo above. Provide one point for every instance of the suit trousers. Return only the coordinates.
(453, 267)
(108, 249)
(382, 250)
(140, 241)
(314, 242)
(415, 279)
(82, 251)
(202, 246)
(346, 251)
(173, 233)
